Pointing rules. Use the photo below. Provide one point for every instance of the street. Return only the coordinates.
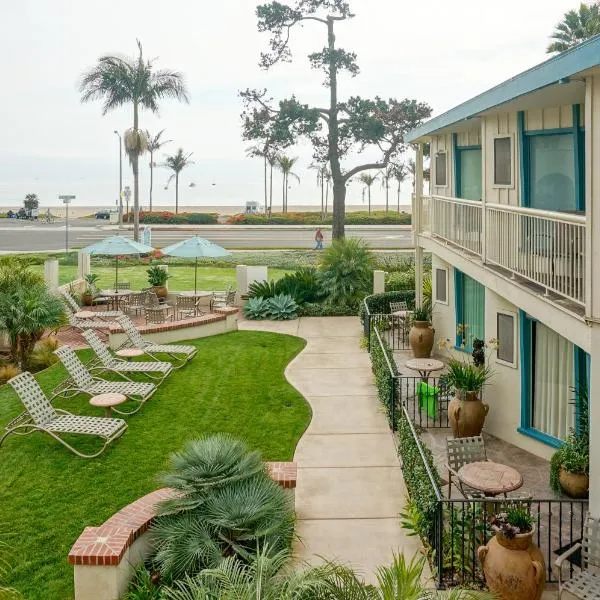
(27, 236)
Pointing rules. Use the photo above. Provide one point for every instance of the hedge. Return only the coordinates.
(322, 309)
(169, 218)
(314, 218)
(381, 372)
(380, 303)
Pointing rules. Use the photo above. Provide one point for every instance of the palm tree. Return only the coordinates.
(576, 27)
(322, 182)
(119, 81)
(154, 144)
(286, 164)
(177, 163)
(386, 175)
(272, 160)
(368, 180)
(399, 173)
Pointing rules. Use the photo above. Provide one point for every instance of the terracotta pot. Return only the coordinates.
(160, 290)
(467, 414)
(420, 339)
(87, 299)
(514, 568)
(575, 485)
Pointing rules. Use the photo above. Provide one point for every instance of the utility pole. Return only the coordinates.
(67, 200)
(120, 179)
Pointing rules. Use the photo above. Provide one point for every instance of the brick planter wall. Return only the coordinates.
(104, 557)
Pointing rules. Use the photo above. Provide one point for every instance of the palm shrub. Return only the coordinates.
(227, 506)
(282, 308)
(257, 308)
(303, 286)
(346, 271)
(263, 289)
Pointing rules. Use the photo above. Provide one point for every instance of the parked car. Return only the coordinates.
(103, 214)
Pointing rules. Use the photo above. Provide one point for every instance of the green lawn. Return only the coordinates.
(182, 277)
(235, 384)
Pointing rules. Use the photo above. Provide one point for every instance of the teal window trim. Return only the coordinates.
(457, 154)
(579, 156)
(458, 306)
(556, 131)
(523, 158)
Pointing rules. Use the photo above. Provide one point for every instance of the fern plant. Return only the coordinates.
(282, 308)
(257, 308)
(263, 289)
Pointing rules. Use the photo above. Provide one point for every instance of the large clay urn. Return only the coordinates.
(420, 339)
(161, 291)
(514, 568)
(467, 413)
(574, 485)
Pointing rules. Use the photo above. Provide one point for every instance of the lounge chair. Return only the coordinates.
(40, 415)
(111, 364)
(82, 381)
(72, 304)
(135, 340)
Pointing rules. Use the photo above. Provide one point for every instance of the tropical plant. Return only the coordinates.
(368, 180)
(323, 178)
(285, 165)
(263, 289)
(257, 308)
(512, 521)
(576, 26)
(421, 313)
(90, 285)
(399, 172)
(346, 271)
(400, 280)
(282, 308)
(31, 202)
(155, 143)
(427, 293)
(463, 375)
(143, 586)
(303, 285)
(226, 506)
(177, 163)
(119, 81)
(157, 276)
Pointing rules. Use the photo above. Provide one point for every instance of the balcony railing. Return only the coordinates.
(457, 221)
(546, 248)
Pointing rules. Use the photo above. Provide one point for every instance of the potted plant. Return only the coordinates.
(513, 565)
(157, 278)
(467, 411)
(89, 292)
(570, 464)
(421, 333)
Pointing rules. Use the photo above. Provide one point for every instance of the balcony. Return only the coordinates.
(541, 248)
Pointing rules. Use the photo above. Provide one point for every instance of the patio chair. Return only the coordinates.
(40, 415)
(399, 309)
(135, 340)
(106, 362)
(462, 451)
(72, 304)
(222, 299)
(136, 304)
(188, 307)
(157, 315)
(586, 583)
(82, 381)
(122, 285)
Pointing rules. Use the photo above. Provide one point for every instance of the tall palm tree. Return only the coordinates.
(576, 27)
(368, 180)
(286, 164)
(155, 143)
(322, 182)
(386, 175)
(118, 81)
(399, 173)
(177, 163)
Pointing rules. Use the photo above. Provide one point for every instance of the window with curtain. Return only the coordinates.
(469, 173)
(440, 169)
(552, 172)
(502, 161)
(470, 317)
(552, 382)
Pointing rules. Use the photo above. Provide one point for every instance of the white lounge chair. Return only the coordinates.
(81, 381)
(101, 314)
(111, 364)
(135, 340)
(40, 415)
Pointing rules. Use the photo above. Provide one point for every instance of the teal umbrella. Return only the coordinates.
(195, 247)
(116, 246)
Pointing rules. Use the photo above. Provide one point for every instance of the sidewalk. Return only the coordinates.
(350, 488)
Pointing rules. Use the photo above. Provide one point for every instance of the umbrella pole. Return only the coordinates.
(196, 277)
(117, 274)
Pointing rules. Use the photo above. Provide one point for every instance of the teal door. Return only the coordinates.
(468, 173)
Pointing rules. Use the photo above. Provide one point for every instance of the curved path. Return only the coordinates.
(350, 488)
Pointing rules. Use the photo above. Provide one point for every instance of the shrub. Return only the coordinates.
(227, 506)
(257, 308)
(380, 303)
(303, 286)
(398, 281)
(43, 355)
(169, 218)
(321, 309)
(157, 277)
(8, 372)
(143, 586)
(263, 289)
(346, 271)
(282, 308)
(314, 218)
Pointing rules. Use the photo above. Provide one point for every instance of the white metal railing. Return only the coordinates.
(456, 221)
(547, 248)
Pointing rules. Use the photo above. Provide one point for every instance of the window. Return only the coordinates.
(470, 310)
(503, 161)
(507, 338)
(441, 285)
(440, 169)
(468, 173)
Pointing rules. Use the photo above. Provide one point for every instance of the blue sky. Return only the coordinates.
(437, 52)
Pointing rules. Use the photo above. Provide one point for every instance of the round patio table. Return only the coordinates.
(85, 314)
(107, 401)
(490, 478)
(115, 296)
(424, 366)
(129, 353)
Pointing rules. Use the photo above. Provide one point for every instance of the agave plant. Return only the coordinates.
(257, 308)
(282, 308)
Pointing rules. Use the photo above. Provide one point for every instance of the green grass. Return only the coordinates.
(235, 384)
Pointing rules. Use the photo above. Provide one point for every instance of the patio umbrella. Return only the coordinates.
(116, 246)
(195, 247)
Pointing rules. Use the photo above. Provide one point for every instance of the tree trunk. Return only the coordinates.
(339, 208)
(369, 194)
(271, 191)
(326, 197)
(176, 193)
(398, 197)
(387, 196)
(136, 181)
(283, 192)
(266, 199)
(151, 177)
(322, 196)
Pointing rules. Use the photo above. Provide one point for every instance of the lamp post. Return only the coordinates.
(127, 195)
(120, 178)
(67, 200)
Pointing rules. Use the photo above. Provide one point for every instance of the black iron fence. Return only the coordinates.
(451, 529)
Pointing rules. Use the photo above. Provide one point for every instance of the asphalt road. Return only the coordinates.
(25, 236)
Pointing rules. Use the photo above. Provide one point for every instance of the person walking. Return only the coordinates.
(319, 240)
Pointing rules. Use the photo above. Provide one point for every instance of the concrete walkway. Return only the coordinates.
(350, 487)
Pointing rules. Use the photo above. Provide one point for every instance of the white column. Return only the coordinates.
(51, 273)
(241, 275)
(378, 281)
(83, 264)
(592, 204)
(483, 191)
(417, 209)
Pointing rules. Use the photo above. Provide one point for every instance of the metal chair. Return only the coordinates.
(157, 315)
(122, 285)
(40, 415)
(72, 304)
(586, 583)
(136, 304)
(223, 299)
(399, 309)
(188, 307)
(460, 452)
